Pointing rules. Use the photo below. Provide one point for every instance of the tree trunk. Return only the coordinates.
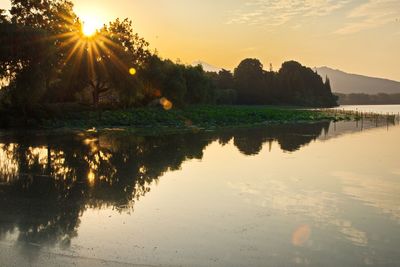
(96, 97)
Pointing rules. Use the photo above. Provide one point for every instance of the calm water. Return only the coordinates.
(380, 109)
(319, 194)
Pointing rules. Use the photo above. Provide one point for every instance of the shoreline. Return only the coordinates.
(194, 118)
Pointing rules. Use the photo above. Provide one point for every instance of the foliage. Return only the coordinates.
(45, 59)
(104, 61)
(249, 82)
(30, 46)
(194, 116)
(304, 86)
(293, 84)
(46, 35)
(180, 84)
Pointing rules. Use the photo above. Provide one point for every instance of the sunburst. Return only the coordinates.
(90, 25)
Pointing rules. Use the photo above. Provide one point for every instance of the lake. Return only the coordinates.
(380, 109)
(308, 194)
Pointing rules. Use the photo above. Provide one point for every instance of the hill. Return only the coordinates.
(207, 67)
(347, 83)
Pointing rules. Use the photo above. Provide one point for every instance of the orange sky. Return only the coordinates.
(356, 36)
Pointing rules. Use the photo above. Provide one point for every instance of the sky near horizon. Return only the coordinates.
(356, 36)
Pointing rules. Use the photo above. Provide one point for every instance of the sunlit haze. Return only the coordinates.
(355, 36)
(90, 24)
(199, 133)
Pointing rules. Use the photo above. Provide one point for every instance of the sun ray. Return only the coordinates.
(113, 58)
(77, 45)
(63, 35)
(91, 59)
(97, 54)
(91, 50)
(71, 40)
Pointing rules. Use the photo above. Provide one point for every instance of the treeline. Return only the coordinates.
(293, 84)
(365, 99)
(45, 59)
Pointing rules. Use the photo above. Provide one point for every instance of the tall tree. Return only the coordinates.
(200, 88)
(108, 61)
(224, 80)
(34, 41)
(249, 82)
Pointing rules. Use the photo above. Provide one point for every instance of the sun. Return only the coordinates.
(90, 25)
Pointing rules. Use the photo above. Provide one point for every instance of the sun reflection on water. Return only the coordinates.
(8, 163)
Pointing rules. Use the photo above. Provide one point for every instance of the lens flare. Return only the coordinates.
(167, 105)
(132, 71)
(301, 235)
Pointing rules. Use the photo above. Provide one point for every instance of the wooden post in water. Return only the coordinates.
(387, 121)
(362, 121)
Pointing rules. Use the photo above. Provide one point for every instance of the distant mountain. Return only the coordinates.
(206, 66)
(346, 83)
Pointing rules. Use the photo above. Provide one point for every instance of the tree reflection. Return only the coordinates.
(291, 137)
(48, 181)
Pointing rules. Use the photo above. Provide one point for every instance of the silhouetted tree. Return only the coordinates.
(104, 61)
(224, 80)
(249, 82)
(200, 88)
(300, 85)
(45, 58)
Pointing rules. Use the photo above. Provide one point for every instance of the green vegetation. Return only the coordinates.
(293, 84)
(47, 61)
(206, 117)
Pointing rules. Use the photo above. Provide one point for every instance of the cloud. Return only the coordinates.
(323, 208)
(373, 14)
(278, 12)
(373, 191)
(271, 13)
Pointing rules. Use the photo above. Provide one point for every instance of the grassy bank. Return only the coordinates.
(196, 116)
(207, 117)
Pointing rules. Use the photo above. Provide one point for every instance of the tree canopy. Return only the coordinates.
(293, 84)
(45, 58)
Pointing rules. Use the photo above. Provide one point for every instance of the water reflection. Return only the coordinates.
(374, 191)
(47, 181)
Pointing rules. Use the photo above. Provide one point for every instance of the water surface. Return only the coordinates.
(380, 109)
(320, 194)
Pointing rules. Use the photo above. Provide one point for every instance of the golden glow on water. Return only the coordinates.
(169, 197)
(91, 178)
(374, 190)
(39, 154)
(8, 163)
